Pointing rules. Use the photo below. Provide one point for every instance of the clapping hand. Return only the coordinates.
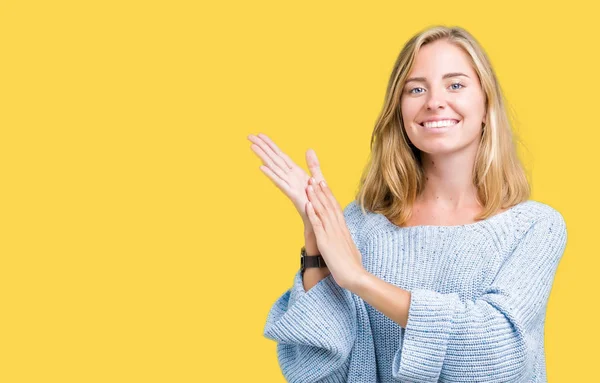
(314, 201)
(290, 178)
(333, 237)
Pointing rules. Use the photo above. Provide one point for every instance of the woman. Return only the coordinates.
(441, 268)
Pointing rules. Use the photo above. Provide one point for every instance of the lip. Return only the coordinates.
(433, 119)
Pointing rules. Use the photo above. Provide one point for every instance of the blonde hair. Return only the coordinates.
(394, 177)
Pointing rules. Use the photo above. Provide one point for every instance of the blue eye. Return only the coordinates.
(457, 83)
(412, 90)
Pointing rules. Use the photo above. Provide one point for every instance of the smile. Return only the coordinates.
(439, 124)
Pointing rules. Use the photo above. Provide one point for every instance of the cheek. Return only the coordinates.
(409, 110)
(471, 105)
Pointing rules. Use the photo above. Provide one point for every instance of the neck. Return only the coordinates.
(449, 182)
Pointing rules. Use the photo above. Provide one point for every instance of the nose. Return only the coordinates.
(436, 100)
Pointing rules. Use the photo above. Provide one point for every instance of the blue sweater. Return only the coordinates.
(478, 303)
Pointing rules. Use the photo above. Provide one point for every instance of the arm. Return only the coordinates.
(489, 339)
(316, 329)
(314, 274)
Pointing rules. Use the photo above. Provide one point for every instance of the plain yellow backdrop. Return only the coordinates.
(140, 242)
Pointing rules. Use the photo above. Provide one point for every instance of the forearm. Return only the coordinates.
(312, 275)
(390, 300)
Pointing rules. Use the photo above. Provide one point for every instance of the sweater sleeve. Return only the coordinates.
(315, 330)
(491, 338)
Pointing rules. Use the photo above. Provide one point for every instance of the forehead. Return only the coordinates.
(439, 57)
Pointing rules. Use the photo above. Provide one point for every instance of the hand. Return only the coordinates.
(333, 237)
(285, 174)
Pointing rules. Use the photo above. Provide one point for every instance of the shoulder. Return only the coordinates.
(355, 220)
(535, 219)
(363, 223)
(531, 212)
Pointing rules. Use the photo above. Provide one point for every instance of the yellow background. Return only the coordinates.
(140, 242)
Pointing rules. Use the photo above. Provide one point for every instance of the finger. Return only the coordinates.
(320, 210)
(316, 223)
(267, 161)
(329, 206)
(281, 184)
(288, 161)
(332, 203)
(313, 165)
(322, 198)
(276, 154)
(275, 158)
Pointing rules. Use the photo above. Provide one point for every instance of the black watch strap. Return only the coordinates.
(307, 261)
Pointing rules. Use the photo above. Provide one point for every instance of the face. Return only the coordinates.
(443, 104)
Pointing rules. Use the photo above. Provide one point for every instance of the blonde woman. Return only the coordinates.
(441, 268)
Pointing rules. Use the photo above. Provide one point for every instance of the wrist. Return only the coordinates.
(359, 281)
(310, 238)
(309, 232)
(311, 247)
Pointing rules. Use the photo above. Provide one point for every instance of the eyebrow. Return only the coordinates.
(447, 75)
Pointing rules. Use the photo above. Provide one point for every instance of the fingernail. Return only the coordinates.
(312, 180)
(323, 183)
(310, 188)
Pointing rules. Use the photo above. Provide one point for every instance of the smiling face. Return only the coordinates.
(443, 104)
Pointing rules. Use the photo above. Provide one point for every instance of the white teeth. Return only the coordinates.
(439, 124)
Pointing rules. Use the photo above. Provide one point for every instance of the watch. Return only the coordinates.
(307, 261)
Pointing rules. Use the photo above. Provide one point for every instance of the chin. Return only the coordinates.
(445, 147)
(436, 150)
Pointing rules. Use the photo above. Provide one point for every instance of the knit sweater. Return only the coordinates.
(478, 302)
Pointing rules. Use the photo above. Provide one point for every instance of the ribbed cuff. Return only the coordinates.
(423, 348)
(324, 317)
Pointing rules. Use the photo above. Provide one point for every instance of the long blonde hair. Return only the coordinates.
(394, 177)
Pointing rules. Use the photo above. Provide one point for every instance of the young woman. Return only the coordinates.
(441, 268)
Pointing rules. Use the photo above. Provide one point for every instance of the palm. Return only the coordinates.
(290, 178)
